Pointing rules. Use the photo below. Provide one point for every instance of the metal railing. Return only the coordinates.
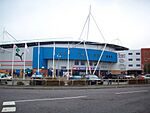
(61, 82)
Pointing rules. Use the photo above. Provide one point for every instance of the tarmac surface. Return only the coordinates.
(75, 99)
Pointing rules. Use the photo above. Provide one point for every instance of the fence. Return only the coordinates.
(61, 82)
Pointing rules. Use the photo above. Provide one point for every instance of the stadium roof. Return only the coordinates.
(31, 43)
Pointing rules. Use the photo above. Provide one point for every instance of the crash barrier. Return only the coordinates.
(59, 82)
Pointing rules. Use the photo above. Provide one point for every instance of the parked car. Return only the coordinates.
(113, 76)
(140, 77)
(5, 76)
(37, 79)
(93, 79)
(75, 77)
(37, 76)
(124, 76)
(147, 76)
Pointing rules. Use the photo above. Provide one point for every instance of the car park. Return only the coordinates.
(93, 79)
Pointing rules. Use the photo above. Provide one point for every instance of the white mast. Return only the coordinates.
(24, 65)
(38, 57)
(87, 57)
(100, 57)
(53, 61)
(68, 65)
(88, 22)
(13, 58)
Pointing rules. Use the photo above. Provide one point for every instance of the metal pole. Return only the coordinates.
(100, 58)
(88, 23)
(68, 66)
(87, 57)
(38, 57)
(13, 58)
(25, 49)
(53, 61)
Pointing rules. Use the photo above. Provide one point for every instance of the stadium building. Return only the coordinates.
(56, 57)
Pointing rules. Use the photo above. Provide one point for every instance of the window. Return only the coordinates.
(82, 63)
(130, 59)
(138, 65)
(129, 53)
(130, 65)
(76, 62)
(138, 59)
(137, 53)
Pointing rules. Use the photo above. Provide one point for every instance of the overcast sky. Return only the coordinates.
(123, 22)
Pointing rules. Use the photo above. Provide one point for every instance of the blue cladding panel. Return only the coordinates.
(75, 54)
(42, 60)
(47, 53)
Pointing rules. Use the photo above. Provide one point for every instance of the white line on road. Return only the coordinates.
(130, 92)
(46, 99)
(8, 109)
(9, 103)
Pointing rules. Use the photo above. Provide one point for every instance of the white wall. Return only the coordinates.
(127, 61)
(6, 59)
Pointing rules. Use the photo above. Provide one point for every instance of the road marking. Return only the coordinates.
(130, 92)
(9, 103)
(8, 109)
(46, 99)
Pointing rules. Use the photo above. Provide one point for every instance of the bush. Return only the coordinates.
(20, 83)
(54, 82)
(37, 82)
(138, 81)
(77, 82)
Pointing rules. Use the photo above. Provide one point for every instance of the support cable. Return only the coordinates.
(98, 28)
(83, 27)
(11, 36)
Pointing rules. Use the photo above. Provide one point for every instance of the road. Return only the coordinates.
(110, 100)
